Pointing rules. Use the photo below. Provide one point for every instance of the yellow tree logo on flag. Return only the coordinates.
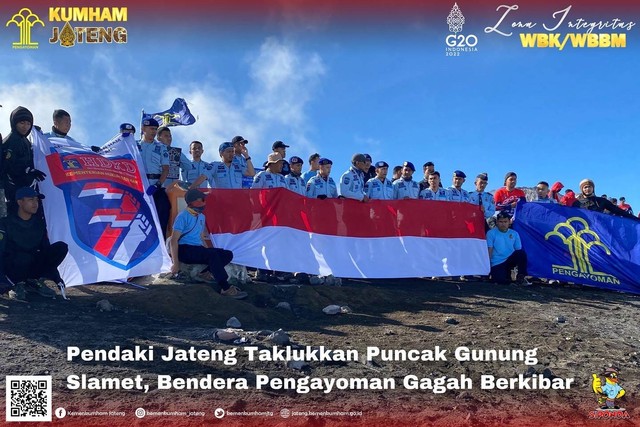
(579, 245)
(25, 20)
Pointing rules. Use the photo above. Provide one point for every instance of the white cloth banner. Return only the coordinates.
(96, 203)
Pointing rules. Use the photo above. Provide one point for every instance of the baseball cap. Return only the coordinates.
(224, 146)
(127, 127)
(295, 160)
(193, 195)
(483, 176)
(274, 158)
(279, 144)
(459, 174)
(239, 138)
(150, 122)
(368, 157)
(409, 165)
(28, 192)
(325, 161)
(382, 164)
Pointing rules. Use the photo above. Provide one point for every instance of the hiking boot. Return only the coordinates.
(41, 287)
(234, 292)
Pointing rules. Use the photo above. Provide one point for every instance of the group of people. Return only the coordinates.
(363, 181)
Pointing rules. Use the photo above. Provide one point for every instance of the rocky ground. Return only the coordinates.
(577, 332)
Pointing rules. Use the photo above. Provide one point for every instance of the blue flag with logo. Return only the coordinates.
(580, 246)
(177, 115)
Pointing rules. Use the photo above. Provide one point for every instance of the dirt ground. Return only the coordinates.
(577, 330)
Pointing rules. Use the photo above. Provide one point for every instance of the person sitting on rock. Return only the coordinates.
(505, 252)
(190, 244)
(27, 259)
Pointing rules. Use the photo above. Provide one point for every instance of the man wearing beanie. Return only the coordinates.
(190, 244)
(17, 156)
(587, 199)
(508, 196)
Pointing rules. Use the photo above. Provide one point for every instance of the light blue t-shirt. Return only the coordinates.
(190, 228)
(503, 244)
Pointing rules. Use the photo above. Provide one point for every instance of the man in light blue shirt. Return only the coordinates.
(322, 185)
(379, 187)
(405, 187)
(226, 174)
(314, 167)
(352, 181)
(505, 252)
(542, 189)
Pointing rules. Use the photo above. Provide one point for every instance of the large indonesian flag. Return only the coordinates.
(279, 230)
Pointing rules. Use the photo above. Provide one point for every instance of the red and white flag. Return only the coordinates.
(276, 229)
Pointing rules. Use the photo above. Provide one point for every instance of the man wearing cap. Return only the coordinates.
(18, 170)
(294, 180)
(313, 168)
(352, 181)
(505, 252)
(190, 244)
(26, 256)
(271, 177)
(456, 192)
(507, 197)
(241, 155)
(379, 187)
(625, 206)
(226, 174)
(281, 148)
(370, 170)
(435, 191)
(481, 198)
(322, 185)
(126, 129)
(588, 200)
(405, 187)
(155, 159)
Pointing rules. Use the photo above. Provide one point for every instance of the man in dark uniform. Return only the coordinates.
(281, 148)
(27, 259)
(17, 169)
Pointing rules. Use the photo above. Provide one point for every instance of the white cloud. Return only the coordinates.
(283, 82)
(41, 99)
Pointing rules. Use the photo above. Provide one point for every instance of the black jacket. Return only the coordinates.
(21, 240)
(600, 204)
(17, 155)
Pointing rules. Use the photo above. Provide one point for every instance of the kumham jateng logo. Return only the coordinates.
(69, 35)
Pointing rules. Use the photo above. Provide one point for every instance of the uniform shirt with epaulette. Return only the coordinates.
(352, 184)
(403, 188)
(266, 179)
(456, 195)
(296, 184)
(154, 157)
(379, 190)
(195, 169)
(441, 194)
(318, 186)
(486, 200)
(223, 176)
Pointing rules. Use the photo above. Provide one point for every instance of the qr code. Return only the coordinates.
(28, 398)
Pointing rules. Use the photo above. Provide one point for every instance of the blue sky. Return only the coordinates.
(390, 92)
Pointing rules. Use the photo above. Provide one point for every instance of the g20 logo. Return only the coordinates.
(460, 40)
